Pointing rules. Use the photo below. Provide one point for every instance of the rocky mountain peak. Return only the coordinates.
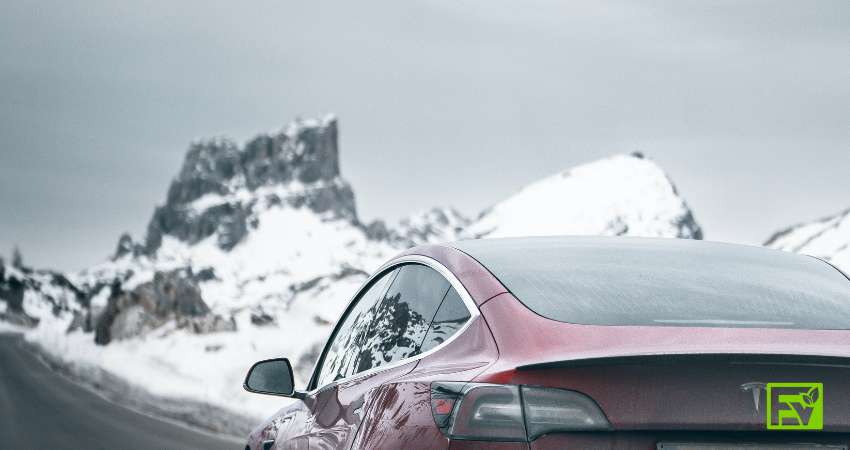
(126, 246)
(220, 184)
(827, 238)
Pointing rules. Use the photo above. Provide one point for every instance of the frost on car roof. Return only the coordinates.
(666, 282)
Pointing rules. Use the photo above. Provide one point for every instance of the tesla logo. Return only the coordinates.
(790, 406)
(756, 387)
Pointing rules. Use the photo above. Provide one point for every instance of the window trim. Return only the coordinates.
(388, 273)
(384, 269)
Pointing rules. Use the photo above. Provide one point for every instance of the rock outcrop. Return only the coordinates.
(127, 246)
(49, 290)
(220, 184)
(171, 297)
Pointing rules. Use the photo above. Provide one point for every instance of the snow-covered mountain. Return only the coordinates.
(430, 227)
(827, 238)
(254, 227)
(258, 248)
(622, 195)
(25, 294)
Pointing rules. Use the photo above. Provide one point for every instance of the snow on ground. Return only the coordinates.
(6, 327)
(207, 368)
(290, 247)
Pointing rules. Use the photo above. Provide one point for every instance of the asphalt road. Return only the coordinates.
(40, 409)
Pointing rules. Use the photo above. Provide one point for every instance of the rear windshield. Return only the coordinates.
(666, 282)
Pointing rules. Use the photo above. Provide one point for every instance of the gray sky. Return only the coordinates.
(746, 104)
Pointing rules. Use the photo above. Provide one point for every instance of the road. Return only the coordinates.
(42, 409)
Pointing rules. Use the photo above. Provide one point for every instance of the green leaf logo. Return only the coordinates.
(811, 397)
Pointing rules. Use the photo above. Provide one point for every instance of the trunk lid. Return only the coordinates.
(673, 377)
(702, 392)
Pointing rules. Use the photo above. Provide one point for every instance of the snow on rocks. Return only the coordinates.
(621, 195)
(827, 238)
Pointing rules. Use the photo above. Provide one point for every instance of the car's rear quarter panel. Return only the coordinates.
(399, 413)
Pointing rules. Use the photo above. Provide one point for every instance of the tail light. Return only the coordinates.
(503, 412)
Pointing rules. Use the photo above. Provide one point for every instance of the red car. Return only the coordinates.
(587, 343)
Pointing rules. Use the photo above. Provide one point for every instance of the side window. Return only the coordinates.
(450, 317)
(403, 316)
(341, 357)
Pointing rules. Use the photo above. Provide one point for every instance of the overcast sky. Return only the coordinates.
(746, 104)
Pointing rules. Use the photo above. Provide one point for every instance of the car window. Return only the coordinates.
(448, 320)
(403, 316)
(341, 357)
(667, 282)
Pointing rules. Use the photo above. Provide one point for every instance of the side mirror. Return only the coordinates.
(272, 376)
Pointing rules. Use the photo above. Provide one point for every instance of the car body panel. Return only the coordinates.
(400, 413)
(287, 428)
(330, 417)
(554, 341)
(668, 377)
(654, 383)
(695, 395)
(337, 411)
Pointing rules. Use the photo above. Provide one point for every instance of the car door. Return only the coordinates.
(379, 344)
(293, 425)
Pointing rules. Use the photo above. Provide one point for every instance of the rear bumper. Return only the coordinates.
(646, 440)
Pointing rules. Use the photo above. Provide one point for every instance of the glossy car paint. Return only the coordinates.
(339, 410)
(695, 384)
(653, 383)
(330, 417)
(400, 414)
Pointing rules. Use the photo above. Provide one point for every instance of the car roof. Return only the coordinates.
(612, 245)
(652, 281)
